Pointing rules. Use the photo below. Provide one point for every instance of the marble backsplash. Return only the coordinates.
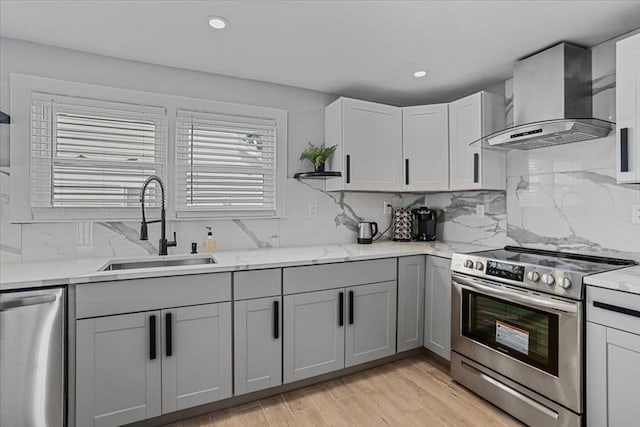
(336, 222)
(566, 198)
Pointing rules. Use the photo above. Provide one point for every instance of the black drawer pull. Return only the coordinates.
(341, 309)
(348, 168)
(168, 334)
(406, 171)
(351, 307)
(276, 320)
(476, 167)
(152, 337)
(617, 309)
(624, 150)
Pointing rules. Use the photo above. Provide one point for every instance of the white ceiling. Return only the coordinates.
(365, 49)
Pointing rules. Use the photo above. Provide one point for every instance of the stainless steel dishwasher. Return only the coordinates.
(32, 358)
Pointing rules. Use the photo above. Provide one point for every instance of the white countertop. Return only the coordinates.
(625, 280)
(62, 272)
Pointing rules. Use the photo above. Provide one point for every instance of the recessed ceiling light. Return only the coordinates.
(218, 23)
(420, 73)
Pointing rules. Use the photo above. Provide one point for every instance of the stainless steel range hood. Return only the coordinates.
(552, 101)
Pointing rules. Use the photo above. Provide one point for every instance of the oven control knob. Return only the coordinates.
(468, 263)
(548, 279)
(565, 283)
(533, 276)
(479, 266)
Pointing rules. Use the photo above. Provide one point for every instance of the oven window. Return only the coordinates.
(524, 333)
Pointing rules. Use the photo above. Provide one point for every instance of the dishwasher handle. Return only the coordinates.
(26, 301)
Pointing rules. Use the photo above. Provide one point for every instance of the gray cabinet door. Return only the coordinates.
(117, 375)
(258, 344)
(613, 377)
(198, 368)
(437, 317)
(371, 322)
(410, 302)
(313, 335)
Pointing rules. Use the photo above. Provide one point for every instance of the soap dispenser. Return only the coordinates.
(210, 242)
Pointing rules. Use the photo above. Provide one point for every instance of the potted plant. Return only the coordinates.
(317, 155)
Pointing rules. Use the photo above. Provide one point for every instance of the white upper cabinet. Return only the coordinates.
(425, 148)
(473, 167)
(628, 109)
(369, 139)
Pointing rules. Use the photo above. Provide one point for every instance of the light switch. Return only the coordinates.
(635, 214)
(480, 211)
(312, 210)
(84, 233)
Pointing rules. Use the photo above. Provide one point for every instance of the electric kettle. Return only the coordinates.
(367, 231)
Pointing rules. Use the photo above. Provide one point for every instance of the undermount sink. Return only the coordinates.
(157, 263)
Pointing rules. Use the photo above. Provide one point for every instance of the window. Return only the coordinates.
(225, 163)
(93, 154)
(82, 151)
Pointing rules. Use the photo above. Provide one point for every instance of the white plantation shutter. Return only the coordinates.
(94, 154)
(225, 163)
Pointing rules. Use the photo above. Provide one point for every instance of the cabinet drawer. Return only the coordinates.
(128, 296)
(257, 284)
(331, 276)
(620, 310)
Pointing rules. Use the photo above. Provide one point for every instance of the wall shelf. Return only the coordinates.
(317, 175)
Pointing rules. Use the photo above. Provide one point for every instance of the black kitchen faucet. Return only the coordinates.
(164, 244)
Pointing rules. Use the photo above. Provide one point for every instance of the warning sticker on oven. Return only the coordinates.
(512, 337)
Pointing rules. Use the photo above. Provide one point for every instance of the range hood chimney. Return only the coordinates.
(552, 101)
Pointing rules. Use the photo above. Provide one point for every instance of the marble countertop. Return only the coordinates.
(625, 280)
(63, 272)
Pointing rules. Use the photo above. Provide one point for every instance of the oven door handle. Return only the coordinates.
(516, 297)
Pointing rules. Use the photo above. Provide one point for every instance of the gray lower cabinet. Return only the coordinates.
(258, 344)
(437, 317)
(410, 302)
(118, 376)
(612, 358)
(371, 322)
(135, 366)
(313, 334)
(196, 363)
(613, 377)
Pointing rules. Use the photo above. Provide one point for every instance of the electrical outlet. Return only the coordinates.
(387, 207)
(635, 214)
(84, 233)
(312, 210)
(480, 211)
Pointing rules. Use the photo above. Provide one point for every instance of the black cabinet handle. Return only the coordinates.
(341, 309)
(406, 171)
(624, 150)
(351, 307)
(152, 337)
(168, 334)
(476, 167)
(617, 309)
(276, 319)
(348, 168)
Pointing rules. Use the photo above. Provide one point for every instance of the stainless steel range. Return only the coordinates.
(517, 331)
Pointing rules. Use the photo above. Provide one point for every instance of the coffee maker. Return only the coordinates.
(424, 224)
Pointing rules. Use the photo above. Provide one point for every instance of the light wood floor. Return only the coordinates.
(410, 392)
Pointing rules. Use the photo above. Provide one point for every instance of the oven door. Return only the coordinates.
(533, 339)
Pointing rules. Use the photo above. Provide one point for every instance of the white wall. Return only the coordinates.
(306, 107)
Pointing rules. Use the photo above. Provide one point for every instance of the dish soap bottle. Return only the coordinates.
(210, 242)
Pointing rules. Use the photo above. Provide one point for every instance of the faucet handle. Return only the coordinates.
(174, 242)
